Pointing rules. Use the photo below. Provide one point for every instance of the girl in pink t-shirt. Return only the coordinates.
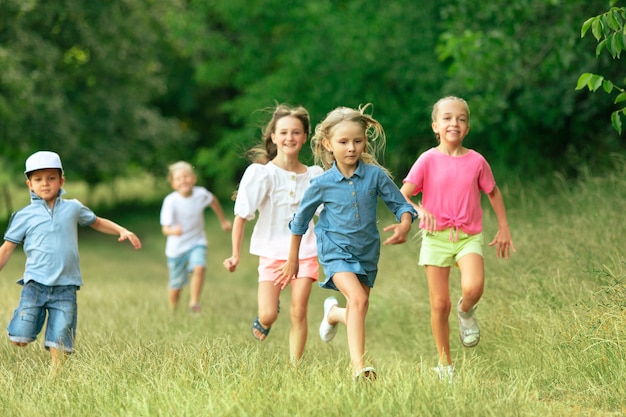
(451, 178)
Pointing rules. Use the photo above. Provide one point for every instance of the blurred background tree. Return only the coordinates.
(128, 86)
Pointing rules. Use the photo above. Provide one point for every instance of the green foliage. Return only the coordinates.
(318, 54)
(79, 77)
(515, 63)
(120, 87)
(609, 29)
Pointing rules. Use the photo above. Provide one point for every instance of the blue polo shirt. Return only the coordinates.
(50, 239)
(347, 233)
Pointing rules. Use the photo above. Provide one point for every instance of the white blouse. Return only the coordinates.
(275, 194)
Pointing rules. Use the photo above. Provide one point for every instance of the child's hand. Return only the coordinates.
(231, 263)
(428, 222)
(130, 236)
(503, 242)
(287, 272)
(226, 226)
(400, 233)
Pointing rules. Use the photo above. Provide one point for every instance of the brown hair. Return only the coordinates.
(266, 150)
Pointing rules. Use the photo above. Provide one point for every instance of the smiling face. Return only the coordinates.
(46, 183)
(289, 135)
(451, 122)
(346, 141)
(183, 180)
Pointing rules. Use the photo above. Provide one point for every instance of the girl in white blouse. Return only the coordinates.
(273, 185)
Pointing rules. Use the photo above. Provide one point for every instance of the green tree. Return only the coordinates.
(609, 29)
(516, 63)
(320, 54)
(80, 77)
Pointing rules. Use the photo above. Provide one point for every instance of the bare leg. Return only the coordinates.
(195, 287)
(173, 297)
(268, 305)
(357, 303)
(440, 306)
(58, 359)
(472, 280)
(300, 291)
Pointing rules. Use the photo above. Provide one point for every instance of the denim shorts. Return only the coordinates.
(181, 266)
(445, 247)
(59, 302)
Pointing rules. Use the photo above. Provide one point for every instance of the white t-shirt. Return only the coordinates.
(188, 212)
(275, 194)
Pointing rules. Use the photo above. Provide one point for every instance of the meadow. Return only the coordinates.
(553, 322)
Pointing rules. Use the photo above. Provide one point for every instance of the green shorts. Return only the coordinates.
(445, 247)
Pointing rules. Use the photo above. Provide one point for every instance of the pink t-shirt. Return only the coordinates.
(451, 187)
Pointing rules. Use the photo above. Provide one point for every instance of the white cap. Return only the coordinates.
(43, 160)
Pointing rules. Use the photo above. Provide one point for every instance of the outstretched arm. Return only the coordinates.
(289, 270)
(5, 252)
(217, 208)
(237, 238)
(503, 240)
(108, 227)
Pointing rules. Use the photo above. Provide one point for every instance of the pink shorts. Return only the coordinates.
(308, 268)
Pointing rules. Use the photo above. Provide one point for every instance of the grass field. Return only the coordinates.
(553, 322)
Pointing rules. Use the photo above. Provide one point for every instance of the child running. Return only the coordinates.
(345, 144)
(450, 178)
(48, 230)
(182, 221)
(273, 185)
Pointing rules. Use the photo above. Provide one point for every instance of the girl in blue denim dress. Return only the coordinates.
(345, 144)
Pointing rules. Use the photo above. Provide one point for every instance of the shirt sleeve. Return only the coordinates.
(393, 198)
(167, 213)
(486, 180)
(309, 204)
(16, 229)
(416, 174)
(253, 189)
(86, 216)
(207, 196)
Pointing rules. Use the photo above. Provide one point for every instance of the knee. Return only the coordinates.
(358, 303)
(267, 317)
(298, 313)
(441, 306)
(472, 295)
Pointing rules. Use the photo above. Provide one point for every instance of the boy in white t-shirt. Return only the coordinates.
(182, 221)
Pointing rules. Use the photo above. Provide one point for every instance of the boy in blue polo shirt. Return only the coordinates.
(48, 230)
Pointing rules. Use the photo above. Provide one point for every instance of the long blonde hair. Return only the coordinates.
(374, 133)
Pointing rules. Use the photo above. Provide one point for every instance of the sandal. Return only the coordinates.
(469, 331)
(256, 325)
(368, 374)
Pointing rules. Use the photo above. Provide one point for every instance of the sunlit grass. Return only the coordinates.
(553, 321)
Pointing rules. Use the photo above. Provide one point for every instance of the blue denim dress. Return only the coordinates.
(347, 233)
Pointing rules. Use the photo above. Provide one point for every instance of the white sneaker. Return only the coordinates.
(327, 330)
(469, 331)
(445, 372)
